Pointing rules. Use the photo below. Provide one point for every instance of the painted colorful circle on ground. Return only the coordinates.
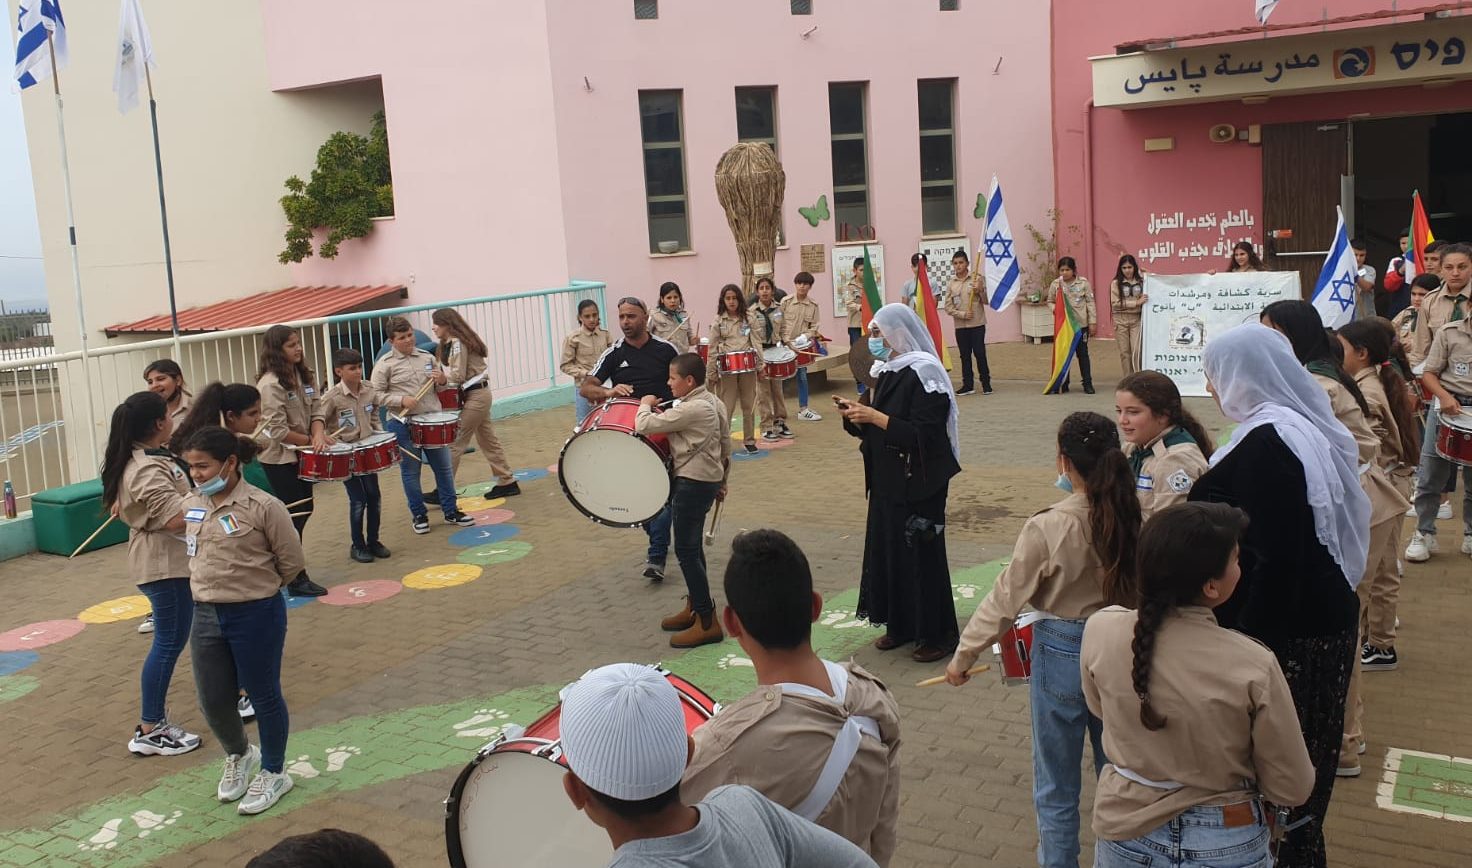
(743, 455)
(12, 662)
(361, 593)
(442, 576)
(496, 553)
(479, 489)
(530, 474)
(121, 609)
(476, 504)
(491, 516)
(479, 536)
(39, 634)
(16, 686)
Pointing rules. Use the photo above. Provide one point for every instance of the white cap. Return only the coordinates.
(623, 731)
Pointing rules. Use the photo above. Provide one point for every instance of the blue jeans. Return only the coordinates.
(365, 506)
(239, 645)
(438, 459)
(582, 406)
(1432, 478)
(688, 507)
(658, 530)
(173, 611)
(1196, 838)
(802, 388)
(1060, 720)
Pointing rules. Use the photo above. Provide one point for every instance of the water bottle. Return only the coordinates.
(9, 500)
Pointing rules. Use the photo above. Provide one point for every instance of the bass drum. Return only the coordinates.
(610, 473)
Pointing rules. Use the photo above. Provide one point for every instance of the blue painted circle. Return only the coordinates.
(479, 536)
(12, 662)
(530, 474)
(296, 602)
(743, 455)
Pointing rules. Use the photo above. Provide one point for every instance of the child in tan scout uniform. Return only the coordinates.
(464, 356)
(1069, 286)
(731, 331)
(821, 739)
(351, 408)
(768, 325)
(669, 321)
(966, 303)
(580, 352)
(1166, 447)
(800, 318)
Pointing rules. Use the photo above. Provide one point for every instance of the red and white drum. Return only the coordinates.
(1015, 649)
(434, 430)
(738, 361)
(613, 475)
(375, 453)
(508, 808)
(1454, 437)
(780, 362)
(332, 464)
(449, 397)
(704, 349)
(806, 349)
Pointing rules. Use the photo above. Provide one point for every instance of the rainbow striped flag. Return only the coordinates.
(1066, 335)
(1420, 233)
(930, 314)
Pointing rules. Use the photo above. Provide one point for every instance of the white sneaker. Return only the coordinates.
(166, 739)
(265, 791)
(1467, 544)
(147, 625)
(1444, 511)
(1421, 548)
(807, 415)
(237, 774)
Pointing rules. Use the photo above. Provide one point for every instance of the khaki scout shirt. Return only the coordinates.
(150, 496)
(463, 365)
(729, 334)
(852, 295)
(1386, 502)
(697, 426)
(1229, 721)
(759, 316)
(1125, 299)
(241, 549)
(1054, 567)
(800, 316)
(580, 351)
(1405, 332)
(356, 415)
(285, 410)
(397, 376)
(1166, 469)
(675, 329)
(966, 301)
(1436, 311)
(1381, 417)
(186, 400)
(777, 743)
(1080, 299)
(1450, 357)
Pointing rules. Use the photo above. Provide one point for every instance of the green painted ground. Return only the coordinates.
(1429, 784)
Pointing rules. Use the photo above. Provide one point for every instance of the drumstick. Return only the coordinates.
(940, 679)
(410, 454)
(88, 540)
(715, 523)
(299, 514)
(297, 503)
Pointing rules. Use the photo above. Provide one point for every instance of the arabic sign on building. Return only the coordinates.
(1186, 311)
(1204, 239)
(1372, 57)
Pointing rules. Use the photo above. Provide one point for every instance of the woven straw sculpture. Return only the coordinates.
(750, 184)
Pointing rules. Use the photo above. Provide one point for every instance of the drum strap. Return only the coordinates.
(845, 743)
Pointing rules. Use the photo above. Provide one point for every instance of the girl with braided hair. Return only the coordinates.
(1071, 560)
(1199, 723)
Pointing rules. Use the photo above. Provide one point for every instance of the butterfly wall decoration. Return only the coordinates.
(817, 213)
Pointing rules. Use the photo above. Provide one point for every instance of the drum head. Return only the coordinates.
(436, 418)
(778, 354)
(512, 811)
(614, 478)
(377, 439)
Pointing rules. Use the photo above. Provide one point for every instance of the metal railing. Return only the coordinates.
(45, 439)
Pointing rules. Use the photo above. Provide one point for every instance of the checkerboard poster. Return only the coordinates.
(938, 253)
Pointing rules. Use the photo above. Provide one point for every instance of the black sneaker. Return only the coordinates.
(432, 496)
(986, 390)
(421, 524)
(378, 550)
(361, 555)
(770, 436)
(966, 390)
(654, 572)
(460, 518)
(751, 449)
(784, 431)
(165, 740)
(1088, 389)
(510, 489)
(302, 586)
(1374, 659)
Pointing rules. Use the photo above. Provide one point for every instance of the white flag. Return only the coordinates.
(1338, 284)
(998, 252)
(1264, 9)
(135, 48)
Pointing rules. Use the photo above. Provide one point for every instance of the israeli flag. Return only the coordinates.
(37, 18)
(1334, 294)
(1264, 9)
(998, 252)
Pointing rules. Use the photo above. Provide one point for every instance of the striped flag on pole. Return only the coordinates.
(1066, 335)
(870, 300)
(1420, 235)
(999, 253)
(929, 312)
(37, 20)
(1334, 294)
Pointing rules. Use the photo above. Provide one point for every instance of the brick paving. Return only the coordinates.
(387, 698)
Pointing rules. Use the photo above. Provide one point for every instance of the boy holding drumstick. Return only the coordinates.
(351, 407)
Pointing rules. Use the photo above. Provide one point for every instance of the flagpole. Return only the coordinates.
(163, 211)
(71, 226)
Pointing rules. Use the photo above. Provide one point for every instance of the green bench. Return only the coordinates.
(64, 517)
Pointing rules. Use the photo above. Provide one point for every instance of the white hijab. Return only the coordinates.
(913, 348)
(1259, 381)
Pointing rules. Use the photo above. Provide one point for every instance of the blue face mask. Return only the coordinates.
(1064, 483)
(877, 349)
(211, 486)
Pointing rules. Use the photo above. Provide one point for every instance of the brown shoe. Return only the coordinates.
(887, 643)
(705, 630)
(930, 653)
(681, 620)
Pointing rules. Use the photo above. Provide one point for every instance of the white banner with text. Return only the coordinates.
(1185, 311)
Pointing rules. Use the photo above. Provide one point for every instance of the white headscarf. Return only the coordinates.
(913, 348)
(1259, 381)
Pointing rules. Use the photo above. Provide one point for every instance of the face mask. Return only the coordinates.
(877, 349)
(1064, 483)
(211, 486)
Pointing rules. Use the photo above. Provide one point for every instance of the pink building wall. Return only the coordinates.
(1128, 184)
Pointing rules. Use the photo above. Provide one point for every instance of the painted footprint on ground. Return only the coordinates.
(146, 821)
(731, 661)
(840, 619)
(476, 726)
(337, 757)
(964, 592)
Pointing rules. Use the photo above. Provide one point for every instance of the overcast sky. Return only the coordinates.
(21, 277)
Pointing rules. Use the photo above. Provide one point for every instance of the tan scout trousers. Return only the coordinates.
(1127, 335)
(1354, 704)
(742, 386)
(475, 421)
(773, 404)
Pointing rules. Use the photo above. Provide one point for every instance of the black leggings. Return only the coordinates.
(290, 488)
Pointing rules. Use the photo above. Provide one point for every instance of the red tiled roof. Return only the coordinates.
(1260, 30)
(265, 308)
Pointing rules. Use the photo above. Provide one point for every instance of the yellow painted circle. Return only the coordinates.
(442, 576)
(121, 609)
(475, 504)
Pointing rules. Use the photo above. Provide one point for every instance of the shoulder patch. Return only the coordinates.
(1179, 481)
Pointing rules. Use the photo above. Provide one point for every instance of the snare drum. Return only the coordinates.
(375, 453)
(1454, 438)
(332, 464)
(780, 362)
(1016, 649)
(738, 361)
(449, 397)
(508, 806)
(806, 349)
(434, 430)
(612, 474)
(704, 350)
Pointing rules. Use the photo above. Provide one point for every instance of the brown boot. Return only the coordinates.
(681, 620)
(705, 630)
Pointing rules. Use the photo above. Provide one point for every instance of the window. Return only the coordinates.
(937, 157)
(850, 157)
(646, 10)
(802, 7)
(664, 170)
(756, 121)
(950, 5)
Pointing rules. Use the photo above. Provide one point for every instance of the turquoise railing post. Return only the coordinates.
(551, 349)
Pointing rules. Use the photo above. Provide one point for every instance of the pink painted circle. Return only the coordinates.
(361, 593)
(39, 634)
(491, 516)
(775, 444)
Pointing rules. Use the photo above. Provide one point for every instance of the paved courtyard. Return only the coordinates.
(409, 665)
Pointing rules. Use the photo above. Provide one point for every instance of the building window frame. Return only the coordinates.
(651, 199)
(801, 7)
(840, 140)
(930, 137)
(769, 141)
(646, 10)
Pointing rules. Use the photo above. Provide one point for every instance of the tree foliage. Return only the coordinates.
(349, 187)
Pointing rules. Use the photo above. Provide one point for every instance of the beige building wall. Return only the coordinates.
(228, 144)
